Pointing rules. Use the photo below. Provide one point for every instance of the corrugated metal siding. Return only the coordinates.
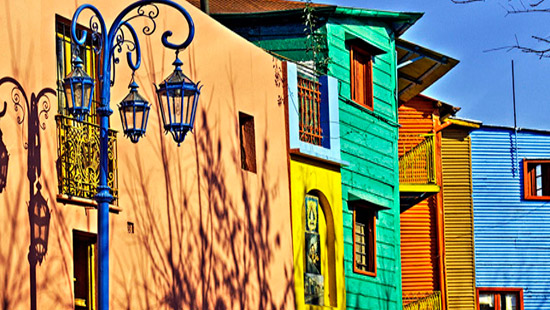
(419, 249)
(512, 236)
(419, 258)
(415, 117)
(458, 220)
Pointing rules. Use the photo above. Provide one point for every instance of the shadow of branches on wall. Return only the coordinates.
(206, 243)
(30, 110)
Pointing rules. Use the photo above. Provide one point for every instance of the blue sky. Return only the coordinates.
(481, 83)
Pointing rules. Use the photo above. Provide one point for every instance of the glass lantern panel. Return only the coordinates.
(77, 95)
(140, 117)
(68, 95)
(177, 106)
(189, 109)
(87, 95)
(129, 116)
(145, 118)
(164, 108)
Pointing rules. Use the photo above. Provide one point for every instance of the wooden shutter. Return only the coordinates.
(361, 77)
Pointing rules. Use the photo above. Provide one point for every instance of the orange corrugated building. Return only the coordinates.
(421, 221)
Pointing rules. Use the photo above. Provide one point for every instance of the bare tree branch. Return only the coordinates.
(537, 3)
(541, 53)
(515, 6)
(467, 1)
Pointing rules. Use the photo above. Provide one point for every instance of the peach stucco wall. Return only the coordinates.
(208, 235)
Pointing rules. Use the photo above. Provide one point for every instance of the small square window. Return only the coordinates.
(536, 175)
(361, 77)
(248, 142)
(500, 298)
(364, 241)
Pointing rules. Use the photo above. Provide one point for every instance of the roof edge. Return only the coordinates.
(406, 19)
(546, 131)
(324, 10)
(465, 122)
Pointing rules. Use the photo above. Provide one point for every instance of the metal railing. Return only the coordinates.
(309, 95)
(417, 166)
(422, 301)
(78, 158)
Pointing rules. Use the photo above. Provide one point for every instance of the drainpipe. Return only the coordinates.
(205, 7)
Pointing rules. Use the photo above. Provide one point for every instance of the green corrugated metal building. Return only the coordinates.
(368, 124)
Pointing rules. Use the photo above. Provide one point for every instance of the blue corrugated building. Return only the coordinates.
(511, 196)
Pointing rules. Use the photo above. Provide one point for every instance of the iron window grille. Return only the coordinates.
(309, 95)
(78, 141)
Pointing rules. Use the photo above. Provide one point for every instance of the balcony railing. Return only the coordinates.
(417, 166)
(422, 301)
(78, 158)
(309, 95)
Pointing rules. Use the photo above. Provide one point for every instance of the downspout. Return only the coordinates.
(440, 221)
(396, 154)
(205, 7)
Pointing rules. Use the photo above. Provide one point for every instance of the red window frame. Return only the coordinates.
(497, 291)
(529, 179)
(361, 77)
(369, 215)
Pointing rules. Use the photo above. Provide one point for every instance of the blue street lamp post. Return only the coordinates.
(177, 96)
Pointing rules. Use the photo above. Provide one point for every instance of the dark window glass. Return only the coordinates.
(85, 271)
(364, 240)
(248, 143)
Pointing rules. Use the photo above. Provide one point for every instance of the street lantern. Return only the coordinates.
(4, 158)
(79, 90)
(40, 221)
(134, 112)
(178, 97)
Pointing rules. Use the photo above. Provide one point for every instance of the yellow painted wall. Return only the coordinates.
(459, 219)
(325, 182)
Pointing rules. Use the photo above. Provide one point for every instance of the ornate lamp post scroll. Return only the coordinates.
(179, 95)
